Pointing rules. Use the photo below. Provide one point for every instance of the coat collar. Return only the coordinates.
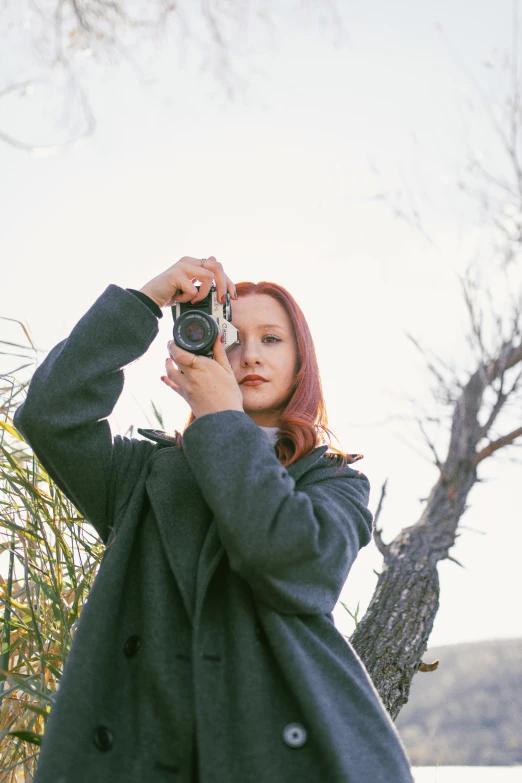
(158, 436)
(296, 469)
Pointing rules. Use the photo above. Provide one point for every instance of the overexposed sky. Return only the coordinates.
(282, 183)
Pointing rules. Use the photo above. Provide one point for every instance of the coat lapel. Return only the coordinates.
(181, 514)
(179, 540)
(213, 550)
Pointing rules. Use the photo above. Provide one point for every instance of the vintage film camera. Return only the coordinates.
(196, 326)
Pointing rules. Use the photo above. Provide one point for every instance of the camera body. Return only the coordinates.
(196, 326)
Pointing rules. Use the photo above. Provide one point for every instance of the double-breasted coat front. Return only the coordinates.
(208, 632)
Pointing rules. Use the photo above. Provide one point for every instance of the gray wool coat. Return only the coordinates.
(207, 648)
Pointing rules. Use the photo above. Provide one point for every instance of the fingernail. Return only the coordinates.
(235, 294)
(222, 337)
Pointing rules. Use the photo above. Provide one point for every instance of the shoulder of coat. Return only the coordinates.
(334, 460)
(159, 436)
(351, 458)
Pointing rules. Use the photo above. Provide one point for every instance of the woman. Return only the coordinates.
(207, 649)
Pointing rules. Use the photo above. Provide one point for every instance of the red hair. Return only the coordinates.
(303, 425)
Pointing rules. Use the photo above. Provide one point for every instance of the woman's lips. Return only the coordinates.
(252, 383)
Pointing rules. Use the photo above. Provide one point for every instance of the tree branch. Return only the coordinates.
(431, 445)
(428, 667)
(444, 384)
(80, 16)
(50, 149)
(495, 445)
(454, 560)
(509, 355)
(381, 546)
(497, 407)
(476, 319)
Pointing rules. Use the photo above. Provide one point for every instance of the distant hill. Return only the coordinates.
(469, 710)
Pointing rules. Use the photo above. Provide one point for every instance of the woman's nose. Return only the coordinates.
(250, 355)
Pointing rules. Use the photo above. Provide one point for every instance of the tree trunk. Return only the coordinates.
(393, 635)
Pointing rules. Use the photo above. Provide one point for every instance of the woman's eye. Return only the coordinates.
(266, 337)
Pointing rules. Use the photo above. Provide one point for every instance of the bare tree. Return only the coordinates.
(482, 407)
(66, 32)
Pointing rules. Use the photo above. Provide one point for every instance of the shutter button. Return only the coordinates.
(132, 645)
(102, 738)
(294, 735)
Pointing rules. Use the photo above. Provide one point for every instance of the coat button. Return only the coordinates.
(294, 735)
(132, 645)
(102, 738)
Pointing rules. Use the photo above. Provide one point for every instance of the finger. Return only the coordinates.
(220, 278)
(194, 265)
(183, 281)
(231, 288)
(223, 284)
(216, 269)
(166, 380)
(207, 279)
(180, 356)
(200, 273)
(173, 374)
(172, 370)
(220, 354)
(203, 291)
(184, 292)
(215, 272)
(212, 271)
(192, 268)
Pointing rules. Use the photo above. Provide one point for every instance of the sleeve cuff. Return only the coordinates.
(147, 301)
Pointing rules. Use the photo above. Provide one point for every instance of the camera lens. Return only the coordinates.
(195, 331)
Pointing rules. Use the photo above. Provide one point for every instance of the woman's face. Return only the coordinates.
(266, 348)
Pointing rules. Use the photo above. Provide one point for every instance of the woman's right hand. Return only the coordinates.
(176, 284)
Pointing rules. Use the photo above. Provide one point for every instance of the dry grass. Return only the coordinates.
(49, 560)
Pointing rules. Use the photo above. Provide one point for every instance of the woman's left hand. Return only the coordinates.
(209, 385)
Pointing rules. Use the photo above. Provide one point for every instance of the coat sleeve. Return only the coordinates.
(293, 543)
(70, 396)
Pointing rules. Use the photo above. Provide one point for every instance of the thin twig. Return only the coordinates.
(381, 546)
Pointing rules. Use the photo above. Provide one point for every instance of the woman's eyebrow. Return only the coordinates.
(271, 326)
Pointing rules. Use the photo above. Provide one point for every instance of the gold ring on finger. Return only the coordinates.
(193, 361)
(203, 261)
